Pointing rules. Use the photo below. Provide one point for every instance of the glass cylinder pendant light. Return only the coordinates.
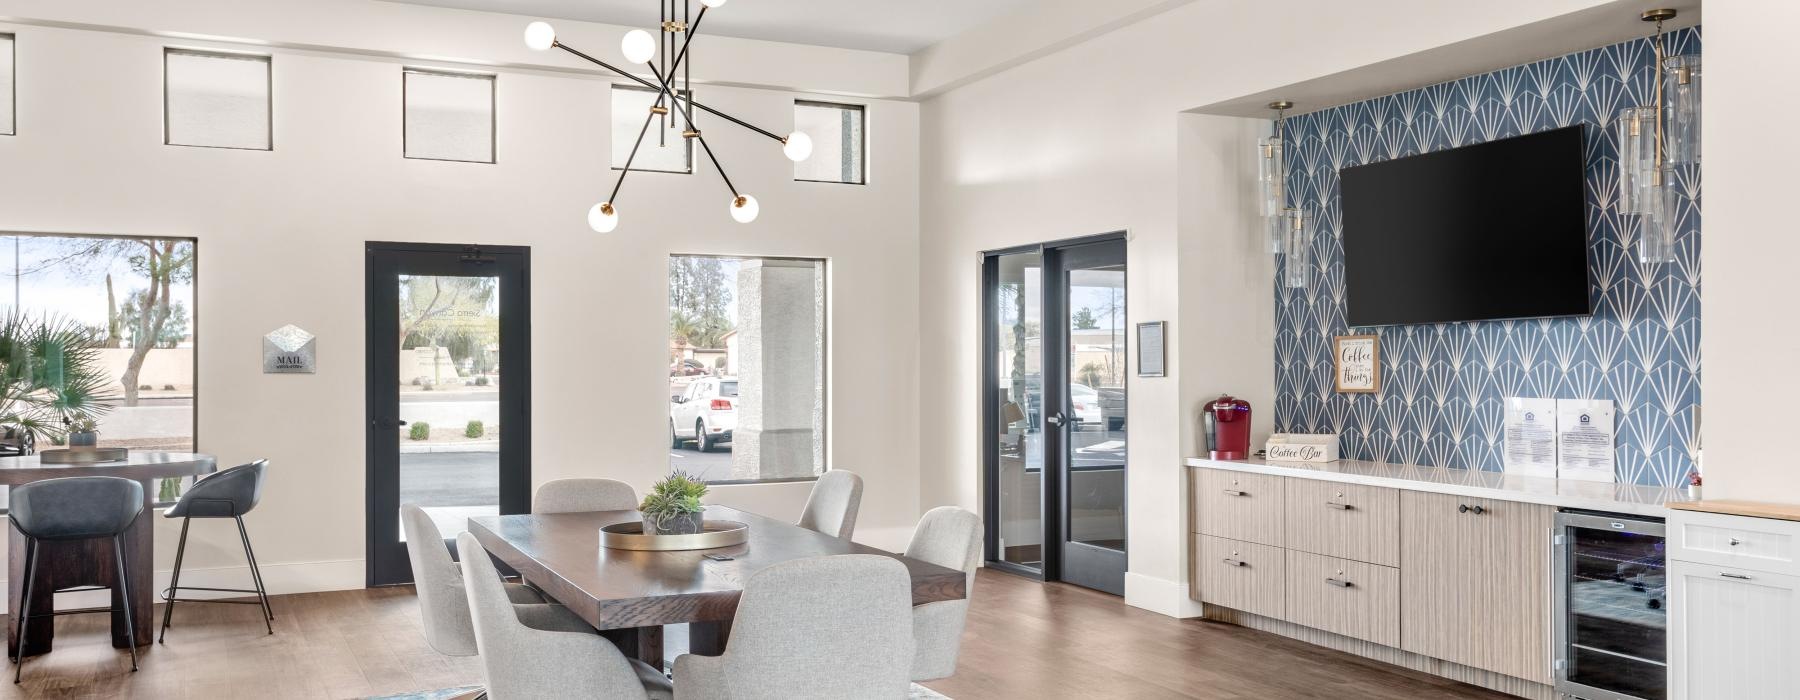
(1271, 177)
(1681, 100)
(1656, 237)
(1297, 239)
(1638, 166)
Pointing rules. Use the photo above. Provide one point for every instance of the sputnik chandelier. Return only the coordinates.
(671, 65)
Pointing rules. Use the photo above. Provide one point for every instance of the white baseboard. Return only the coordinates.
(1159, 596)
(278, 579)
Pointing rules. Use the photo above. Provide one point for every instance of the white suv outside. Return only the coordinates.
(705, 413)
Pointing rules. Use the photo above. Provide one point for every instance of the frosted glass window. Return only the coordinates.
(449, 116)
(6, 84)
(838, 141)
(217, 100)
(663, 150)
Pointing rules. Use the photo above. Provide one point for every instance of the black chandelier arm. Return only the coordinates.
(654, 86)
(634, 150)
(716, 166)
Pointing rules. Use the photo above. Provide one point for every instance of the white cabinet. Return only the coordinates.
(1734, 630)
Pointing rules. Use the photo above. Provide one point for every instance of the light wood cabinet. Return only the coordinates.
(1347, 597)
(1238, 506)
(1240, 575)
(1475, 573)
(1347, 521)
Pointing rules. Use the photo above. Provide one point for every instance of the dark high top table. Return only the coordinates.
(89, 562)
(629, 595)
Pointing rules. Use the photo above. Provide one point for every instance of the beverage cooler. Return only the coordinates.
(1612, 616)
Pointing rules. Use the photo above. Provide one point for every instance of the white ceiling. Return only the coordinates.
(892, 26)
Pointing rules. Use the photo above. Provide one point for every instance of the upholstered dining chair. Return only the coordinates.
(232, 493)
(950, 537)
(523, 658)
(831, 507)
(583, 495)
(443, 605)
(827, 627)
(68, 509)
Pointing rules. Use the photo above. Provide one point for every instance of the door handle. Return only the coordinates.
(1340, 506)
(1340, 583)
(1233, 492)
(386, 423)
(1054, 418)
(1235, 562)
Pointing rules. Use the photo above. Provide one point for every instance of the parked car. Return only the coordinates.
(705, 414)
(1086, 403)
(1112, 405)
(687, 368)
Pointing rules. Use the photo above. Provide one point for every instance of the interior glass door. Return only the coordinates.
(1016, 408)
(1054, 411)
(1089, 449)
(448, 377)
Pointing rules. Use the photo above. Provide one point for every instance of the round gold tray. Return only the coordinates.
(85, 455)
(713, 534)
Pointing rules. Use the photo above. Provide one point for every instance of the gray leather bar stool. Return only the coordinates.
(75, 508)
(228, 494)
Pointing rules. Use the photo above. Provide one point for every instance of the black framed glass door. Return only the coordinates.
(1054, 359)
(448, 367)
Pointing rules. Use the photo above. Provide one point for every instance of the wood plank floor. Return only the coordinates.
(1024, 639)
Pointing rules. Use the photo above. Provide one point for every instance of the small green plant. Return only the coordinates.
(481, 380)
(84, 425)
(420, 430)
(474, 429)
(674, 497)
(145, 387)
(168, 387)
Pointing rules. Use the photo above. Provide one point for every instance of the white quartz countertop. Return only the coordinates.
(1588, 495)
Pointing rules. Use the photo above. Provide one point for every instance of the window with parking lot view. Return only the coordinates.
(746, 368)
(98, 336)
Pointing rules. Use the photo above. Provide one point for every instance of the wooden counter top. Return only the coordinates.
(1749, 509)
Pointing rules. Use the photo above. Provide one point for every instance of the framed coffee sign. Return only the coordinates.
(1356, 363)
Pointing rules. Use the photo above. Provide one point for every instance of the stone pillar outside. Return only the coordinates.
(781, 419)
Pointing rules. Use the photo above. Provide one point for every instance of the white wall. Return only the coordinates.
(1748, 337)
(1088, 140)
(281, 238)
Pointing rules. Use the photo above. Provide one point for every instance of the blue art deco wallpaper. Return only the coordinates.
(1442, 385)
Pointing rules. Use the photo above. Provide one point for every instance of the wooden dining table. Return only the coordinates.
(90, 562)
(630, 595)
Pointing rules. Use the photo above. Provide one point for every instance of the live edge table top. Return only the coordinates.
(618, 589)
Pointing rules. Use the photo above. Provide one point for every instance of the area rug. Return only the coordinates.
(917, 692)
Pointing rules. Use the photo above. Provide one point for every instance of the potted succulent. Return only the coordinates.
(83, 432)
(673, 506)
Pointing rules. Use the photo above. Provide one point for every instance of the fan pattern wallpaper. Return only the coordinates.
(1442, 385)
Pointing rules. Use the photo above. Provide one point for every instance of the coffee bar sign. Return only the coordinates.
(1357, 363)
(1301, 447)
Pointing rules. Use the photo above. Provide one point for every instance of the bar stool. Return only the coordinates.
(75, 508)
(228, 494)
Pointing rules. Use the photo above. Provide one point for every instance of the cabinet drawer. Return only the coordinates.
(1342, 596)
(1734, 540)
(1238, 506)
(1348, 521)
(1239, 575)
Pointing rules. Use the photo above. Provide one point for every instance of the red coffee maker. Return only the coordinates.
(1227, 427)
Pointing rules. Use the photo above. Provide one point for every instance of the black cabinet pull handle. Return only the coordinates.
(1466, 508)
(1235, 562)
(1234, 492)
(1340, 506)
(1340, 583)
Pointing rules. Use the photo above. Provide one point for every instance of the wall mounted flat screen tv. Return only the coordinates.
(1496, 230)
